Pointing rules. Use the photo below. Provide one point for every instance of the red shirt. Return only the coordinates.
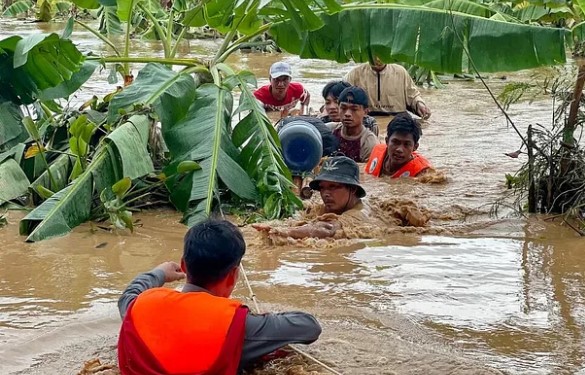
(293, 94)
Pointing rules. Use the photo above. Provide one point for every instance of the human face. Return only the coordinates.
(378, 65)
(279, 86)
(400, 148)
(352, 115)
(336, 196)
(332, 108)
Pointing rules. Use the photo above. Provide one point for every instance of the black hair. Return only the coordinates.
(334, 88)
(404, 123)
(211, 250)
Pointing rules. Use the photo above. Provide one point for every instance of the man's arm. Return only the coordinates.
(320, 229)
(269, 332)
(165, 272)
(414, 99)
(367, 144)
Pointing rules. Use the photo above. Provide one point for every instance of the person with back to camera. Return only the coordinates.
(200, 330)
(331, 93)
(398, 156)
(282, 94)
(355, 141)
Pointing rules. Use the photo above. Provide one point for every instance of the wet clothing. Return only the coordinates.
(369, 122)
(390, 91)
(379, 158)
(293, 94)
(215, 331)
(263, 333)
(357, 147)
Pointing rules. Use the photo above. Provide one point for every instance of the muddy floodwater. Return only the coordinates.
(470, 294)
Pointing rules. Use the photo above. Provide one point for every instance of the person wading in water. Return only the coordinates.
(339, 185)
(398, 157)
(355, 141)
(200, 330)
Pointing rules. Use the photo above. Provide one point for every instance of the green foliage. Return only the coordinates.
(13, 181)
(261, 153)
(72, 205)
(35, 63)
(17, 8)
(430, 38)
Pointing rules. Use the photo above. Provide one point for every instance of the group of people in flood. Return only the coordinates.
(200, 330)
(376, 88)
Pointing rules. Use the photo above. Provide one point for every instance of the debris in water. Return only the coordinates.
(95, 366)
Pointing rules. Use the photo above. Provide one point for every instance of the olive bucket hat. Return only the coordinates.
(342, 170)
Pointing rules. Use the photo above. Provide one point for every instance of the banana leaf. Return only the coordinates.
(153, 81)
(18, 7)
(122, 154)
(11, 130)
(13, 181)
(109, 22)
(68, 87)
(35, 63)
(431, 38)
(203, 135)
(60, 170)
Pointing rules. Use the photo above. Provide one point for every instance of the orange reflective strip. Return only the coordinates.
(376, 160)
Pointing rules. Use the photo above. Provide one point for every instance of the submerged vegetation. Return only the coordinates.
(173, 133)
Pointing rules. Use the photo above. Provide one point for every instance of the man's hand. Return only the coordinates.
(172, 271)
(305, 98)
(423, 111)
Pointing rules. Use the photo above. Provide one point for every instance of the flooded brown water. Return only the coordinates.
(488, 295)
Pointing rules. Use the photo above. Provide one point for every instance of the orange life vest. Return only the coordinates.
(374, 166)
(168, 332)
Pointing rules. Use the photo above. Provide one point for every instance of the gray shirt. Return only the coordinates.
(264, 332)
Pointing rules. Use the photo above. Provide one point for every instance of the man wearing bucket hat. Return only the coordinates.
(339, 185)
(282, 94)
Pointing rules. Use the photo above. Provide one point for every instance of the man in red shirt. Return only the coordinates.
(282, 94)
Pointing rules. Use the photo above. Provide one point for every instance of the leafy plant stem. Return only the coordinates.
(224, 46)
(177, 41)
(170, 24)
(42, 153)
(145, 60)
(100, 36)
(240, 42)
(159, 30)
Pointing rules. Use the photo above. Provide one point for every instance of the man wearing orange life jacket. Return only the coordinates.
(398, 157)
(200, 330)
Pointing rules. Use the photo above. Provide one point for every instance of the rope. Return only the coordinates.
(295, 349)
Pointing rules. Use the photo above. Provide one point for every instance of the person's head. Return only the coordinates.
(331, 93)
(353, 106)
(402, 138)
(280, 77)
(212, 254)
(339, 184)
(377, 65)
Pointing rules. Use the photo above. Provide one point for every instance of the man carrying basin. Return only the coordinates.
(200, 330)
(305, 140)
(339, 185)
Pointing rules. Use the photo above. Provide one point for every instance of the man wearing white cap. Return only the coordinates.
(282, 94)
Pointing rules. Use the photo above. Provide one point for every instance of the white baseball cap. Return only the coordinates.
(280, 69)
